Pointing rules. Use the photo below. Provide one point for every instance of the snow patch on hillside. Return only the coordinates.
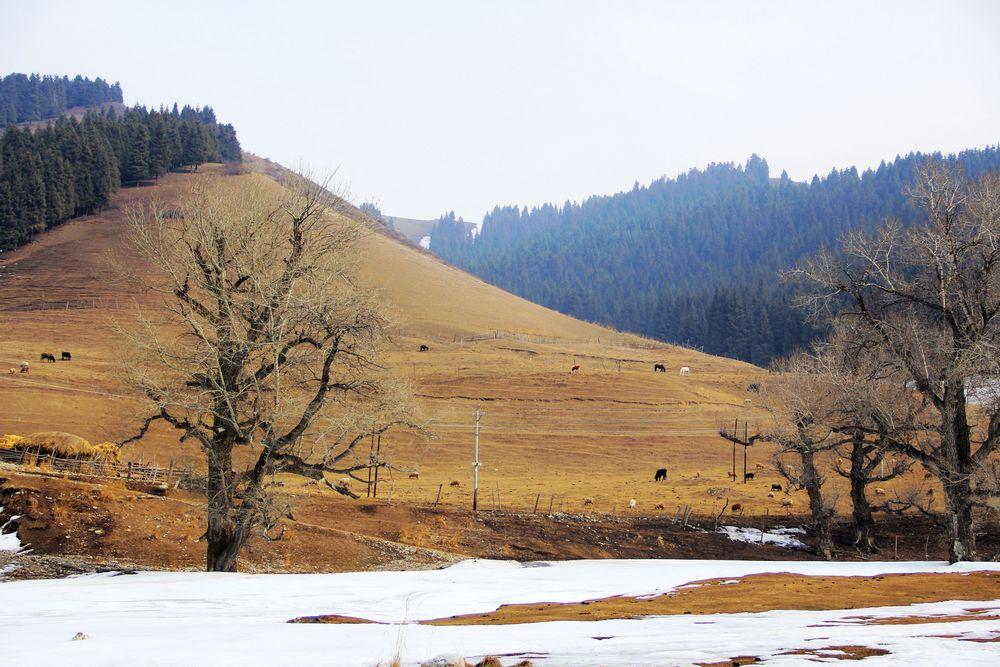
(425, 242)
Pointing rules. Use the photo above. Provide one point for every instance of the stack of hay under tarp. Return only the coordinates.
(61, 445)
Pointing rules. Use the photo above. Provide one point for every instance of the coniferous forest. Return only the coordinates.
(25, 98)
(72, 167)
(694, 259)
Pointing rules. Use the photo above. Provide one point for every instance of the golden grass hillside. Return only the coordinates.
(547, 435)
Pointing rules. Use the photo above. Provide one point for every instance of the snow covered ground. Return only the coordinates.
(178, 618)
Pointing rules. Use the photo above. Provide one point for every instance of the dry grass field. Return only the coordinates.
(547, 435)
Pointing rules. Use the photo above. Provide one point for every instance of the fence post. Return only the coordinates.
(551, 500)
(438, 499)
(537, 496)
(129, 473)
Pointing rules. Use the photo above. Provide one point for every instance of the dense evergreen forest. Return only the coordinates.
(25, 97)
(72, 167)
(693, 259)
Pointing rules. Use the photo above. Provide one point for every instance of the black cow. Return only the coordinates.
(66, 356)
(776, 487)
(661, 475)
(754, 387)
(424, 348)
(659, 367)
(747, 475)
(48, 357)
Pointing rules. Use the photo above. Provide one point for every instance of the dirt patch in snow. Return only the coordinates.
(758, 593)
(850, 652)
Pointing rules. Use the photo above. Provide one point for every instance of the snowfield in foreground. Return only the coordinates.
(181, 618)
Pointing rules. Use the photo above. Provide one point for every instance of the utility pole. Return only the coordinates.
(475, 466)
(744, 452)
(378, 462)
(736, 425)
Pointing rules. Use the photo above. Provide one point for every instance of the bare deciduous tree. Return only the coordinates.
(930, 295)
(265, 352)
(802, 405)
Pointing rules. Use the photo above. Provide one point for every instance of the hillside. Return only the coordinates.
(600, 433)
(694, 259)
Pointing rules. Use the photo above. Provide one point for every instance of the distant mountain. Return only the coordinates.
(412, 229)
(693, 259)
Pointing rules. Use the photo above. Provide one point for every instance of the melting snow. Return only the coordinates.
(9, 541)
(779, 536)
(186, 618)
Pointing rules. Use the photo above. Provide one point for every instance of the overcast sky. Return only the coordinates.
(429, 106)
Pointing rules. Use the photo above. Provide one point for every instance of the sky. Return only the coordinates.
(426, 107)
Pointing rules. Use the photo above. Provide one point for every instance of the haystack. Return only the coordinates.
(8, 441)
(107, 451)
(57, 443)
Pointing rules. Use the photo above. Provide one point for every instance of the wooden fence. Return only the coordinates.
(128, 471)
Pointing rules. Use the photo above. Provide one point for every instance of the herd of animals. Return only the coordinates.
(44, 356)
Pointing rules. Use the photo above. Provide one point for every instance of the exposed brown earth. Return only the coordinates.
(758, 593)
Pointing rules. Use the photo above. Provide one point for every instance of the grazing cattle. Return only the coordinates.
(658, 506)
(747, 475)
(424, 348)
(786, 502)
(731, 475)
(45, 356)
(414, 475)
(758, 466)
(661, 475)
(770, 495)
(879, 491)
(737, 507)
(455, 483)
(588, 501)
(631, 504)
(685, 371)
(753, 388)
(24, 366)
(659, 368)
(66, 356)
(575, 369)
(776, 487)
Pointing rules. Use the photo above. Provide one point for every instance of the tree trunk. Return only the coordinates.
(864, 524)
(961, 528)
(224, 540)
(813, 483)
(956, 441)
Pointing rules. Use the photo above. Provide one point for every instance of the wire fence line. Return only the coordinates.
(500, 334)
(93, 303)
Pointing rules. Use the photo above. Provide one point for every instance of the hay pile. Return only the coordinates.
(9, 441)
(64, 445)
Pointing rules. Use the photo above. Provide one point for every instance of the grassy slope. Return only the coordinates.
(599, 434)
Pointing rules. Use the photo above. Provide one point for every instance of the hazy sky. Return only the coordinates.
(430, 106)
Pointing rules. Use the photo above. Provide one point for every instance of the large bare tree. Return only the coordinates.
(870, 404)
(265, 351)
(930, 295)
